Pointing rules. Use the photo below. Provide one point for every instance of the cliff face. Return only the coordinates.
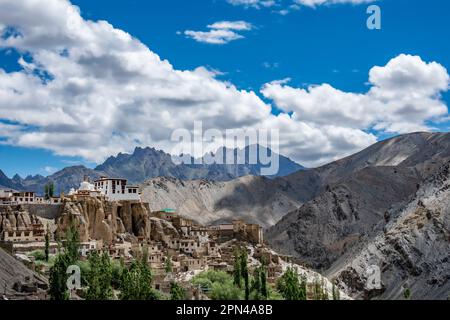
(208, 202)
(413, 250)
(102, 220)
(13, 217)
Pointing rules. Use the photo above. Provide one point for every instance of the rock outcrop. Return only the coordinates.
(103, 220)
(358, 221)
(412, 252)
(16, 217)
(18, 281)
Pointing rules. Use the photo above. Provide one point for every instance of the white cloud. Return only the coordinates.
(221, 32)
(403, 96)
(253, 3)
(231, 25)
(90, 90)
(49, 170)
(315, 3)
(283, 9)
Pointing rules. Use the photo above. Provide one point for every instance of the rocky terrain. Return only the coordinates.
(385, 206)
(266, 201)
(412, 251)
(12, 217)
(144, 164)
(102, 220)
(337, 209)
(19, 282)
(209, 202)
(362, 197)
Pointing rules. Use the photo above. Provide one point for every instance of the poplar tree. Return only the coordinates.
(58, 272)
(177, 292)
(290, 287)
(47, 243)
(100, 277)
(237, 277)
(244, 272)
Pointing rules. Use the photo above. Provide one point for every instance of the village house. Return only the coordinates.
(87, 247)
(35, 232)
(119, 250)
(12, 197)
(165, 214)
(189, 246)
(23, 235)
(191, 264)
(6, 197)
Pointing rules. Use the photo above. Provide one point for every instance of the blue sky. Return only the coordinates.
(326, 44)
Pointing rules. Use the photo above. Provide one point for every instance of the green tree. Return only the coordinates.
(320, 292)
(218, 285)
(336, 292)
(58, 272)
(244, 272)
(136, 282)
(100, 277)
(237, 275)
(47, 243)
(168, 265)
(256, 285)
(263, 275)
(177, 292)
(290, 287)
(407, 293)
(72, 243)
(259, 284)
(58, 278)
(49, 190)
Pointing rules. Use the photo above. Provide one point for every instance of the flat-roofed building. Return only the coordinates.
(117, 189)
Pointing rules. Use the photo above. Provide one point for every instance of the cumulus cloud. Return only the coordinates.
(315, 3)
(403, 96)
(91, 90)
(221, 32)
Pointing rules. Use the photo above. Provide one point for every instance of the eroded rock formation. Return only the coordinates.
(16, 217)
(98, 219)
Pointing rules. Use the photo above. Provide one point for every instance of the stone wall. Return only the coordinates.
(47, 211)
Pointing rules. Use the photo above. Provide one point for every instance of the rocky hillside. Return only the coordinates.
(19, 282)
(13, 217)
(208, 202)
(346, 213)
(361, 196)
(412, 251)
(266, 201)
(339, 209)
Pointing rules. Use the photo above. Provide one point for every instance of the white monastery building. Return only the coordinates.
(112, 189)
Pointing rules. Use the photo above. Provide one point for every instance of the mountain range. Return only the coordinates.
(147, 163)
(387, 206)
